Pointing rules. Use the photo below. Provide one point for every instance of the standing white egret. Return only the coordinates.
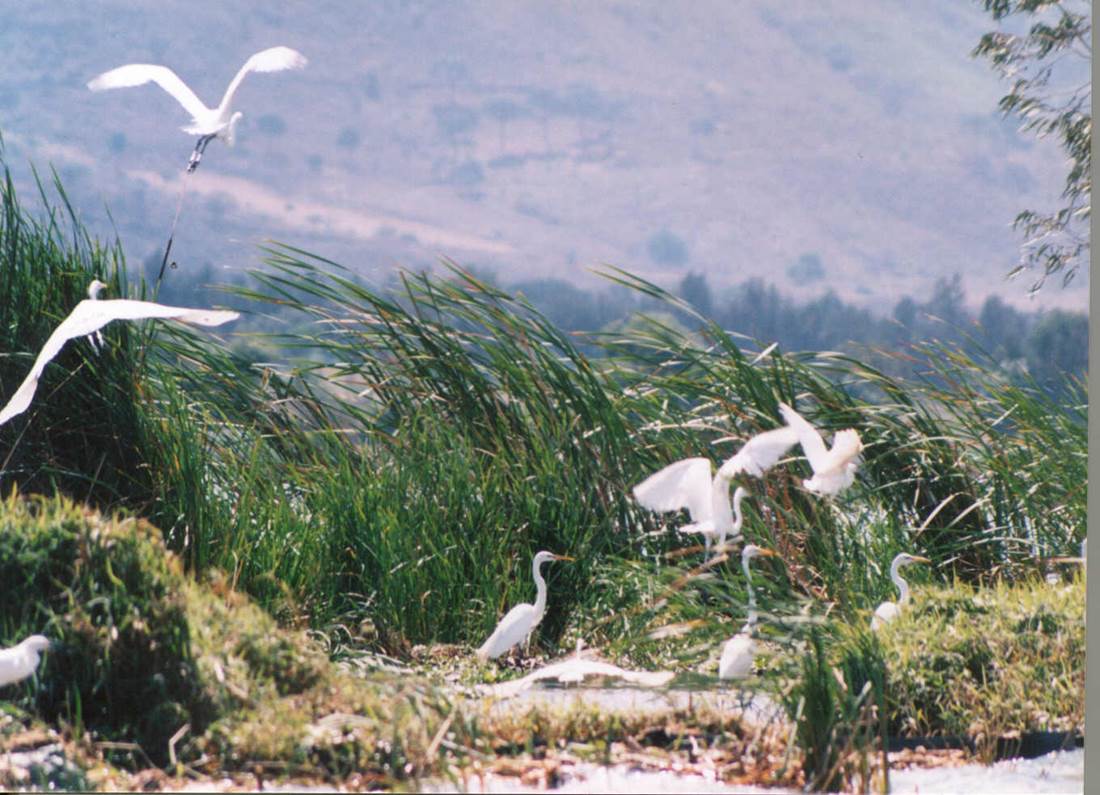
(888, 611)
(87, 318)
(20, 661)
(834, 468)
(521, 620)
(207, 123)
(739, 652)
(688, 484)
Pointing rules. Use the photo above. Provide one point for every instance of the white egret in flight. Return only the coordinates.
(207, 123)
(739, 652)
(87, 318)
(688, 484)
(835, 467)
(760, 453)
(888, 611)
(521, 620)
(20, 661)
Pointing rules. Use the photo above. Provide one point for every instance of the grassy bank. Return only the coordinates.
(213, 687)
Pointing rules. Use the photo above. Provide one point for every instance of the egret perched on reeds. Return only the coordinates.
(87, 318)
(522, 619)
(739, 652)
(835, 467)
(207, 123)
(21, 660)
(888, 611)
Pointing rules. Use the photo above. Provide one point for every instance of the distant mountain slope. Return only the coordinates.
(733, 139)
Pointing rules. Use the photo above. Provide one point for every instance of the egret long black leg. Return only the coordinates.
(200, 148)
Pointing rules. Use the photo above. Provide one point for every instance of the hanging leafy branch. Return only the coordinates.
(1040, 64)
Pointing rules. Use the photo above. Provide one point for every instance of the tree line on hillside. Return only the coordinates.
(1045, 346)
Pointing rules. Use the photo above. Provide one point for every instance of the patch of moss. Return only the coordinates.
(140, 648)
(988, 662)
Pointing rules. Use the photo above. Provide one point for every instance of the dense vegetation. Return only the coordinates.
(386, 470)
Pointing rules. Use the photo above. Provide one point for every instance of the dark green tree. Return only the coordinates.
(695, 291)
(1059, 346)
(1048, 67)
(667, 248)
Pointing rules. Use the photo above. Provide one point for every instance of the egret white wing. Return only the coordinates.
(273, 59)
(884, 614)
(846, 448)
(129, 309)
(512, 629)
(812, 444)
(89, 316)
(737, 657)
(136, 74)
(706, 527)
(684, 484)
(760, 453)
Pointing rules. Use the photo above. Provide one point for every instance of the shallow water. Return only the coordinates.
(756, 707)
(1060, 772)
(597, 778)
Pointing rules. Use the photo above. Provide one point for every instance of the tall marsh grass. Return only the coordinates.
(406, 451)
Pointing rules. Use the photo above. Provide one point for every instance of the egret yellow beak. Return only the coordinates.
(563, 557)
(919, 559)
(768, 553)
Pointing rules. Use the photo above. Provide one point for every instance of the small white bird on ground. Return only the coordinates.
(207, 123)
(739, 652)
(517, 625)
(87, 318)
(688, 484)
(834, 468)
(20, 661)
(888, 611)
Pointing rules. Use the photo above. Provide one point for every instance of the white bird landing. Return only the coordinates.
(688, 484)
(834, 468)
(574, 670)
(207, 123)
(87, 318)
(20, 661)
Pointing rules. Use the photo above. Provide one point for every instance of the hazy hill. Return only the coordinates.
(854, 146)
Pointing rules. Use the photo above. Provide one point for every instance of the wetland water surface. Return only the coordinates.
(1059, 772)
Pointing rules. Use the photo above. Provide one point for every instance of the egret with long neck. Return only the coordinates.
(692, 484)
(207, 123)
(739, 652)
(521, 620)
(888, 611)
